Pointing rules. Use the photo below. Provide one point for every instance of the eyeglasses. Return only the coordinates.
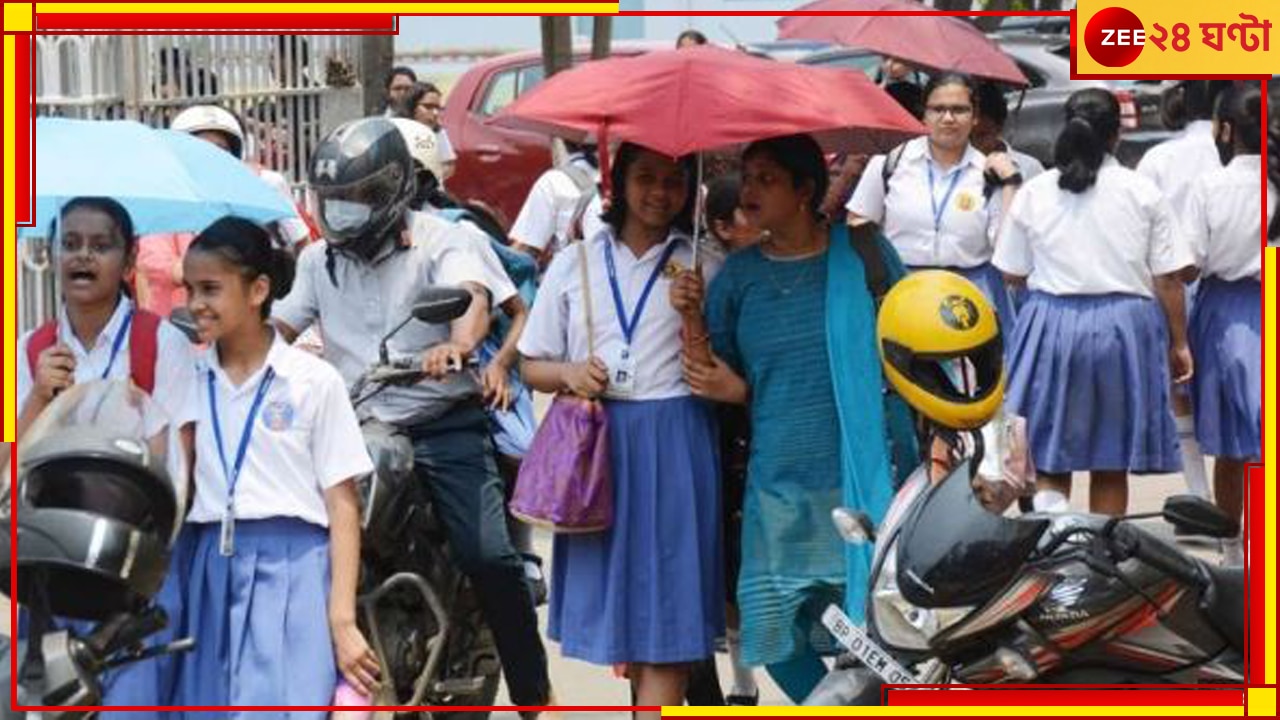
(955, 111)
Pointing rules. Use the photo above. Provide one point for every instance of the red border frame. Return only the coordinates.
(1255, 660)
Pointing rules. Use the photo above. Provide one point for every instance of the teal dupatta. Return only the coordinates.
(870, 470)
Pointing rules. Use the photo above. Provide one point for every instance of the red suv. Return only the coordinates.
(498, 165)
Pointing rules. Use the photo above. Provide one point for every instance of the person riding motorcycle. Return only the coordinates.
(359, 283)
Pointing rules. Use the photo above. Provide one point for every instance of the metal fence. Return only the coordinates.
(275, 84)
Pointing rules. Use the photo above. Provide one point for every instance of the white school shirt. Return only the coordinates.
(444, 148)
(1112, 238)
(372, 298)
(1175, 163)
(907, 216)
(305, 440)
(546, 218)
(496, 279)
(175, 363)
(556, 329)
(1224, 220)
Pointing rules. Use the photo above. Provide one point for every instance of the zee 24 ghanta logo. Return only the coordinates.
(1115, 37)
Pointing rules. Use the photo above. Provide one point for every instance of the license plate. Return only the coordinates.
(872, 655)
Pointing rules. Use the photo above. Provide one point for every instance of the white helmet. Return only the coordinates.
(424, 148)
(204, 118)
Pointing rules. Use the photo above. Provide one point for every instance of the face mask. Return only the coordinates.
(346, 216)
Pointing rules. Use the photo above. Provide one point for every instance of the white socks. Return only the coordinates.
(1192, 458)
(744, 679)
(1050, 501)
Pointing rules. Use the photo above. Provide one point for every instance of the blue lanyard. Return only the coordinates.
(938, 211)
(234, 475)
(629, 328)
(121, 334)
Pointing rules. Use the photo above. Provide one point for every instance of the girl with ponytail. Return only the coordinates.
(1103, 330)
(1224, 228)
(270, 552)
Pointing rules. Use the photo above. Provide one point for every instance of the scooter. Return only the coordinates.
(959, 594)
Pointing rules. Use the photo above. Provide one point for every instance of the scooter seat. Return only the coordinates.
(1223, 603)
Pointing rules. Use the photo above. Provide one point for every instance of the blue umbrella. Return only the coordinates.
(169, 181)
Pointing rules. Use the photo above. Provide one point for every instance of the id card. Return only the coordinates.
(227, 534)
(622, 373)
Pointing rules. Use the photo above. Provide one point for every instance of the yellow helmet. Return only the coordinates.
(941, 348)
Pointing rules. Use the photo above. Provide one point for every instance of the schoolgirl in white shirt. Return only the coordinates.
(666, 528)
(271, 551)
(1224, 227)
(934, 208)
(1104, 324)
(93, 338)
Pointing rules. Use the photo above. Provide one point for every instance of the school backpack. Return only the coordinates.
(144, 331)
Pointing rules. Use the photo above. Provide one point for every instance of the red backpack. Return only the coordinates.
(144, 331)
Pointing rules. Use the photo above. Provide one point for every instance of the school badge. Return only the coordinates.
(959, 313)
(672, 269)
(278, 416)
(966, 202)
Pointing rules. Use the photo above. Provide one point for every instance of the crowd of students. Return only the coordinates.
(729, 448)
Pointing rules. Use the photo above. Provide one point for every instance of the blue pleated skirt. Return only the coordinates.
(1091, 375)
(650, 589)
(260, 618)
(1226, 342)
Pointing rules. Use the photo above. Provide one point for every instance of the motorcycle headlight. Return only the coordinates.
(899, 623)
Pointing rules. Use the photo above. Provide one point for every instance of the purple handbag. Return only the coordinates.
(565, 482)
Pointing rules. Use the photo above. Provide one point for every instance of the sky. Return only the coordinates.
(475, 32)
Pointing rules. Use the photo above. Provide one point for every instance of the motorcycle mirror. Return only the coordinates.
(438, 305)
(854, 526)
(182, 319)
(1199, 517)
(435, 306)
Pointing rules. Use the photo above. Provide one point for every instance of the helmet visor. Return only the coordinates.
(961, 378)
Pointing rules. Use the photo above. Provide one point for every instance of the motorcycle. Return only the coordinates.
(96, 517)
(417, 609)
(962, 595)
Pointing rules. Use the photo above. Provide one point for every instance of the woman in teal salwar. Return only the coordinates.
(794, 318)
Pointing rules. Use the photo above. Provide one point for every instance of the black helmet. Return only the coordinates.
(363, 180)
(95, 509)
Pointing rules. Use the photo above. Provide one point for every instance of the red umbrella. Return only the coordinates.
(682, 101)
(924, 38)
(678, 102)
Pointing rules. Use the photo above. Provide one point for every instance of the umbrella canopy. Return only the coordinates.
(168, 181)
(923, 38)
(682, 101)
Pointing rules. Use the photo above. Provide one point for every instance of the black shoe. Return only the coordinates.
(743, 699)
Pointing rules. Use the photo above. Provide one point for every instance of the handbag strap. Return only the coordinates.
(586, 297)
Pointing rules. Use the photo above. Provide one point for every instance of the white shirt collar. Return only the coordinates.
(674, 236)
(920, 150)
(1246, 163)
(275, 360)
(67, 333)
(1198, 127)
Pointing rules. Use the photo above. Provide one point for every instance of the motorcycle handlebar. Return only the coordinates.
(1157, 554)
